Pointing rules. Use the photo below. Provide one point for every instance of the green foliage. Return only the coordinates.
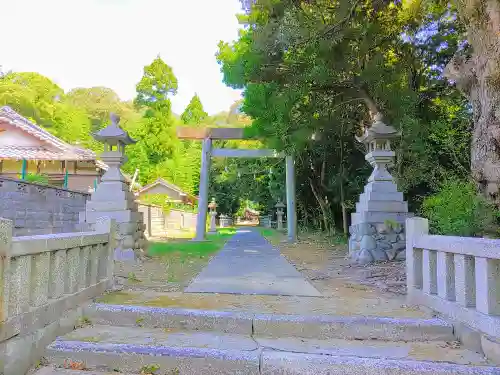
(188, 248)
(194, 113)
(36, 178)
(313, 71)
(157, 84)
(457, 209)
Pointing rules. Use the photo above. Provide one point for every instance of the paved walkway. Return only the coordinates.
(248, 264)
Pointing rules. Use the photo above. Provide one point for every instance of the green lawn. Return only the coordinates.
(187, 248)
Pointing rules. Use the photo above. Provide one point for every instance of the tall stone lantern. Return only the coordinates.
(112, 198)
(377, 230)
(213, 213)
(279, 214)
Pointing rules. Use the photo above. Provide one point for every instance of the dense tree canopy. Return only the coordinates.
(314, 73)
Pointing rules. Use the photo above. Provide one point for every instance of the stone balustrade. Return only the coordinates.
(46, 279)
(455, 276)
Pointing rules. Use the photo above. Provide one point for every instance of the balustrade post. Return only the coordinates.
(6, 227)
(415, 227)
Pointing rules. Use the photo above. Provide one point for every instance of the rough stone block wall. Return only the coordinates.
(40, 209)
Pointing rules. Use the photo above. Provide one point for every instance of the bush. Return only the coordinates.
(457, 209)
(37, 178)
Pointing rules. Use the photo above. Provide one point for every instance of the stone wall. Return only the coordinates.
(40, 209)
(158, 222)
(377, 242)
(46, 280)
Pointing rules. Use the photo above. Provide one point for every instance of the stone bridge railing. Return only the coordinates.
(45, 279)
(456, 276)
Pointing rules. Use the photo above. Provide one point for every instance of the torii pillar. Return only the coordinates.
(207, 135)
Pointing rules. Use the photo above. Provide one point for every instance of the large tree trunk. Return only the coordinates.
(478, 76)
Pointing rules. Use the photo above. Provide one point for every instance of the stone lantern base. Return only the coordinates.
(117, 202)
(377, 231)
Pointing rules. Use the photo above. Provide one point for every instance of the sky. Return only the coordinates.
(108, 42)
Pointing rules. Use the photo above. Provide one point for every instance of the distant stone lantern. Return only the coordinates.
(377, 226)
(213, 213)
(279, 214)
(112, 197)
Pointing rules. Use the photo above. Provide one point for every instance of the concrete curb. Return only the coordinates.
(273, 325)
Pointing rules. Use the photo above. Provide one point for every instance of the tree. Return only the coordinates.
(194, 113)
(313, 71)
(39, 99)
(157, 84)
(476, 70)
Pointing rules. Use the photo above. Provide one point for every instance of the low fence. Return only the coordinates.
(40, 209)
(456, 276)
(45, 281)
(158, 222)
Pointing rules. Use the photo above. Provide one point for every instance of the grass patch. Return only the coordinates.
(274, 236)
(187, 249)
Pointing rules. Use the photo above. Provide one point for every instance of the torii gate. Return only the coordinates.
(209, 134)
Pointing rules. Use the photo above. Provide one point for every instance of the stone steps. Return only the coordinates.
(125, 339)
(275, 325)
(129, 349)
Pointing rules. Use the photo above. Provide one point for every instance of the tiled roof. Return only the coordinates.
(55, 148)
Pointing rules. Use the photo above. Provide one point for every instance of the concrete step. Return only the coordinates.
(129, 349)
(52, 370)
(274, 325)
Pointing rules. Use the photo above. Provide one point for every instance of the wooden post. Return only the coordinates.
(291, 213)
(206, 158)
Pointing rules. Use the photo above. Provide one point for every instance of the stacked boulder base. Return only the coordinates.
(378, 226)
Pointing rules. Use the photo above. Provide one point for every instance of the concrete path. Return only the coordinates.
(248, 264)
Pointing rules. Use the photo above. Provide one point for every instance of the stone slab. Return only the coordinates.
(274, 363)
(352, 328)
(248, 264)
(272, 325)
(186, 319)
(132, 357)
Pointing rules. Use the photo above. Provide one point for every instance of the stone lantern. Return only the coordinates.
(377, 226)
(213, 213)
(279, 214)
(112, 197)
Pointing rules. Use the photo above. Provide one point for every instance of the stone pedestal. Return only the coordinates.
(213, 215)
(377, 231)
(213, 226)
(279, 214)
(113, 198)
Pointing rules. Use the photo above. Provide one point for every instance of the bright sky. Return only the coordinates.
(108, 42)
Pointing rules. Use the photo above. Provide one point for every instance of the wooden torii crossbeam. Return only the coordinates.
(206, 135)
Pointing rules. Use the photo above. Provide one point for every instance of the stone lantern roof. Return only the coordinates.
(378, 131)
(113, 133)
(212, 204)
(280, 204)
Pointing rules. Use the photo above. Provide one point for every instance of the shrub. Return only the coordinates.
(457, 209)
(37, 178)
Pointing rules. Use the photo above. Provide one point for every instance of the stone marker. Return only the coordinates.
(113, 198)
(213, 214)
(279, 214)
(377, 227)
